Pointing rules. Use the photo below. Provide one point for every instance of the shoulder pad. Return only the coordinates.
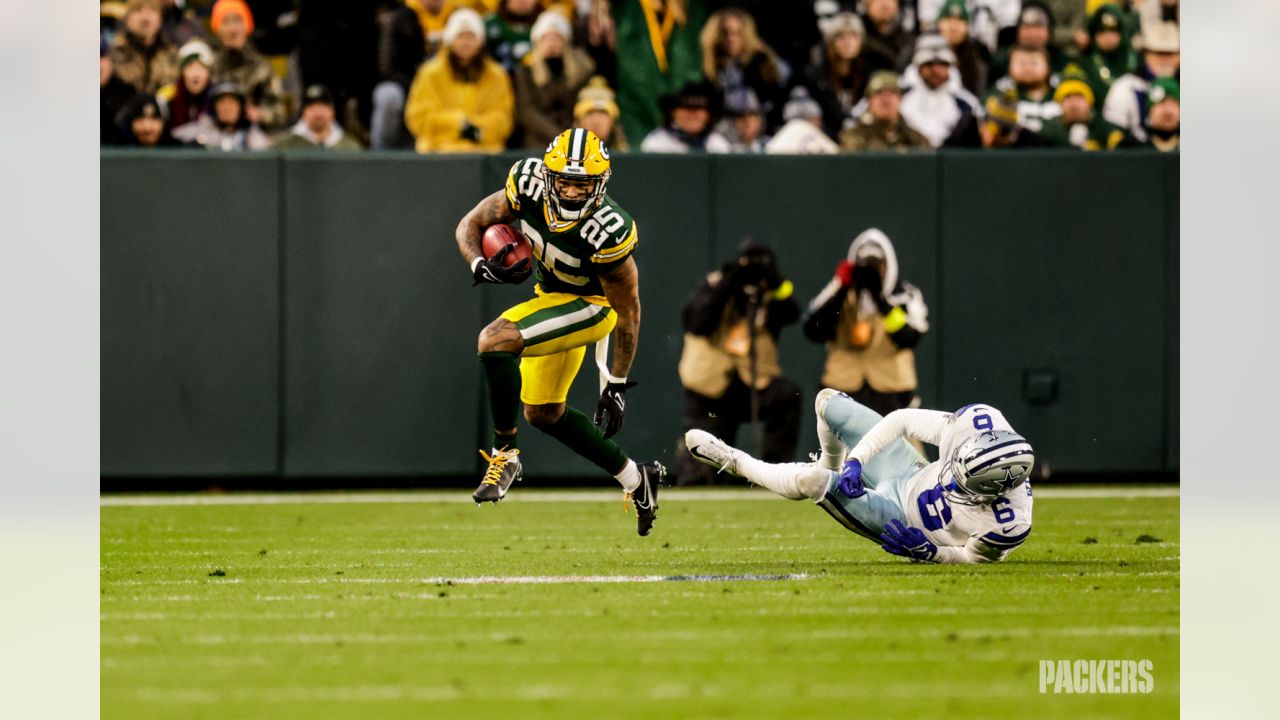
(612, 233)
(525, 183)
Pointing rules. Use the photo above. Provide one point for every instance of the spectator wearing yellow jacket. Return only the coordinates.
(460, 100)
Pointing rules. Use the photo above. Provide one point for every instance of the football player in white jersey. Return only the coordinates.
(973, 505)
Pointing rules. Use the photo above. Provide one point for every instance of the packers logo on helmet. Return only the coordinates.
(576, 159)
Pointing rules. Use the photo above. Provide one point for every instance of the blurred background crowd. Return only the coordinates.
(670, 76)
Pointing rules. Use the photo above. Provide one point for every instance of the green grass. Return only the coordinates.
(320, 611)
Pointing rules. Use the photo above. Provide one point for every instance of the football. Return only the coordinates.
(498, 237)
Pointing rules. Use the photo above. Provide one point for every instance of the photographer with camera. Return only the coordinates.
(729, 365)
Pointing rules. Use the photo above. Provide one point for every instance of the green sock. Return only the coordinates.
(580, 435)
(502, 372)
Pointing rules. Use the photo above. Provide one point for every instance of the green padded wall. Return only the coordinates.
(1059, 266)
(189, 263)
(309, 316)
(380, 316)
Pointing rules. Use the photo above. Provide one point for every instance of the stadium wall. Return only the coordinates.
(307, 316)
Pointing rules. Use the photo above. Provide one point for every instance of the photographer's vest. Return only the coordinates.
(862, 354)
(708, 364)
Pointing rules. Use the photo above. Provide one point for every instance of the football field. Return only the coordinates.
(739, 605)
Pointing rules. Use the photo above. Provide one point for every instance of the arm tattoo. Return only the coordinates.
(490, 211)
(622, 287)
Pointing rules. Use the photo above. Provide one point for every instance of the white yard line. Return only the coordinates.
(463, 497)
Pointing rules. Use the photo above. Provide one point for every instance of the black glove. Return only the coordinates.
(491, 270)
(469, 132)
(612, 408)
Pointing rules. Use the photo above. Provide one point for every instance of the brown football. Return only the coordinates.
(498, 237)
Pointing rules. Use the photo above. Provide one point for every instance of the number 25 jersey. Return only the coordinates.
(570, 255)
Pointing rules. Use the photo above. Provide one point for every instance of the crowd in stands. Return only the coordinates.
(669, 76)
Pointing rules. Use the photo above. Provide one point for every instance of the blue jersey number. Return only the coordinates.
(982, 422)
(935, 513)
(1003, 512)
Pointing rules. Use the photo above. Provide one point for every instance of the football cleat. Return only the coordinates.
(711, 450)
(504, 469)
(645, 496)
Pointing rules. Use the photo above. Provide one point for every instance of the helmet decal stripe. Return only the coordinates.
(578, 144)
(1019, 454)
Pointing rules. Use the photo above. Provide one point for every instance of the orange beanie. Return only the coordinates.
(222, 7)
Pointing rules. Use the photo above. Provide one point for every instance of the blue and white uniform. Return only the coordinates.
(901, 486)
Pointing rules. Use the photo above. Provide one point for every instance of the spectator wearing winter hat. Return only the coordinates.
(734, 57)
(237, 61)
(743, 123)
(461, 100)
(1034, 30)
(1079, 125)
(432, 16)
(401, 49)
(690, 123)
(142, 124)
(1163, 119)
(227, 127)
(187, 99)
(803, 133)
(549, 79)
(1126, 103)
(317, 128)
(888, 43)
(1031, 80)
(837, 79)
(139, 55)
(882, 126)
(509, 31)
(597, 111)
(934, 102)
(1109, 55)
(973, 59)
(113, 95)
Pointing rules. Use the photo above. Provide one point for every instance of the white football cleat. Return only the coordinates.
(833, 448)
(711, 450)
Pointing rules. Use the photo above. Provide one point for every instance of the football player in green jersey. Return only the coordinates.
(587, 287)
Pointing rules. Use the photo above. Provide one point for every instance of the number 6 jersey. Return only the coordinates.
(962, 532)
(570, 255)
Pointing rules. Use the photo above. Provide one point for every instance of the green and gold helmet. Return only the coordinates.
(576, 155)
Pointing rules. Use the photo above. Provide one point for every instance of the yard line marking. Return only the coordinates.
(460, 497)
(477, 580)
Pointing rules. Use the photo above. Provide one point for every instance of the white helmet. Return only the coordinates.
(989, 465)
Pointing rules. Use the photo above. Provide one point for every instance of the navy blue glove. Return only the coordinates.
(851, 480)
(907, 542)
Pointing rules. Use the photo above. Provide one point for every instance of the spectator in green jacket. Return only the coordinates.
(653, 65)
(508, 32)
(1110, 55)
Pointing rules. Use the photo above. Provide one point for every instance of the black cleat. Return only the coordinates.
(645, 497)
(504, 469)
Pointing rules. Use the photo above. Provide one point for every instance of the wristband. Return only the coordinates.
(784, 291)
(475, 263)
(895, 320)
(609, 378)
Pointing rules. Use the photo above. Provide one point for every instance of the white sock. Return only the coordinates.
(833, 448)
(629, 478)
(793, 481)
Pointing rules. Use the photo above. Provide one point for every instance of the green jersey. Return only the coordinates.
(570, 255)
